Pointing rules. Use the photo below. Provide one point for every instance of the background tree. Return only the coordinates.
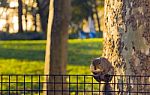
(127, 39)
(43, 9)
(20, 16)
(95, 2)
(56, 49)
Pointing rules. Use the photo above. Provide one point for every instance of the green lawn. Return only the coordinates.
(27, 57)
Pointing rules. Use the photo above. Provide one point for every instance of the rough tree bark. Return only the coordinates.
(56, 49)
(127, 40)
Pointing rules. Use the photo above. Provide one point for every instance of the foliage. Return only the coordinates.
(81, 10)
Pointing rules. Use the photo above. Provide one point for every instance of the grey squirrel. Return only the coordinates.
(103, 70)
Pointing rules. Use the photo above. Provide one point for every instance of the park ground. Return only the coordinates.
(27, 57)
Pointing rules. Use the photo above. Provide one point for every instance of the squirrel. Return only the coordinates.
(103, 70)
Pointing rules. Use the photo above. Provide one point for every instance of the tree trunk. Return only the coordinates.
(43, 10)
(97, 16)
(56, 49)
(20, 16)
(127, 40)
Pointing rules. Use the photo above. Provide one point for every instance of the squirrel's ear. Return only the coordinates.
(98, 58)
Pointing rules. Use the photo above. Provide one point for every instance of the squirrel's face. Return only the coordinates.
(100, 67)
(96, 67)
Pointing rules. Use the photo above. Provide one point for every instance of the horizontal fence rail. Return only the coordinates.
(73, 85)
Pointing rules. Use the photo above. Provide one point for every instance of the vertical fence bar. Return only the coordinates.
(54, 85)
(144, 84)
(39, 84)
(122, 84)
(92, 86)
(137, 84)
(141, 85)
(9, 85)
(24, 85)
(1, 84)
(129, 86)
(99, 87)
(69, 85)
(114, 84)
(62, 83)
(31, 84)
(77, 85)
(84, 85)
(16, 84)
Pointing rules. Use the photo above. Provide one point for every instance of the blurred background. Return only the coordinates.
(23, 27)
(27, 19)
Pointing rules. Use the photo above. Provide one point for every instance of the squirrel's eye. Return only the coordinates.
(99, 63)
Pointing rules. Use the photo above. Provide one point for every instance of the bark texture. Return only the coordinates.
(127, 40)
(56, 49)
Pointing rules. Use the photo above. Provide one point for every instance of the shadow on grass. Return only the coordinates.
(30, 55)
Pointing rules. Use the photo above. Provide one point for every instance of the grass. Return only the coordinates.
(27, 57)
(22, 57)
(81, 52)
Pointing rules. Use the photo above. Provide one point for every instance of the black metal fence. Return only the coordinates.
(73, 85)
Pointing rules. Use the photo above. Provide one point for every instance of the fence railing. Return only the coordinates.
(73, 85)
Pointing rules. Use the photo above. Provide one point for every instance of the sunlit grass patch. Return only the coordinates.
(85, 40)
(14, 66)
